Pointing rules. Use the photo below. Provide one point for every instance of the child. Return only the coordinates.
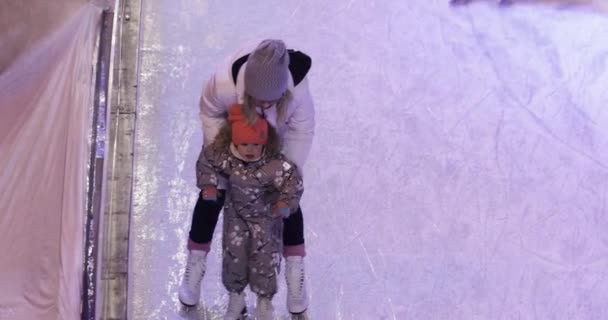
(265, 187)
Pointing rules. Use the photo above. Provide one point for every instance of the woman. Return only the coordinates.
(270, 81)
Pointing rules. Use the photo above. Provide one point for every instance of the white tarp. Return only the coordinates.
(45, 96)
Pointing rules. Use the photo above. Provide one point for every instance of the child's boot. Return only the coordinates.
(236, 306)
(265, 310)
(190, 289)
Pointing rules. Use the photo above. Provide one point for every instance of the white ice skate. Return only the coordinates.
(297, 298)
(190, 289)
(265, 310)
(237, 309)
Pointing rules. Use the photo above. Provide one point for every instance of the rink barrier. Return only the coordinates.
(97, 163)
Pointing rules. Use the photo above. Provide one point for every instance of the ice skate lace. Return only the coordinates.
(195, 267)
(295, 290)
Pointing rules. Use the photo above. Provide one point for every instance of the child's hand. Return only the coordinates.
(281, 209)
(209, 193)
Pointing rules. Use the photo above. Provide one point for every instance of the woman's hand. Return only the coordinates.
(209, 193)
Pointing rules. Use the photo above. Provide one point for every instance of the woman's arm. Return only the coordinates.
(301, 127)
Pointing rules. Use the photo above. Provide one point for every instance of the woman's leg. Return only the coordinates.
(204, 220)
(293, 235)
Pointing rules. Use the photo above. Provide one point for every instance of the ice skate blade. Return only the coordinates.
(244, 315)
(186, 305)
(299, 316)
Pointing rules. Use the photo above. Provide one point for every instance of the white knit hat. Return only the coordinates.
(267, 71)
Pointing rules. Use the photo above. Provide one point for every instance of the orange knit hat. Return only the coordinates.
(242, 132)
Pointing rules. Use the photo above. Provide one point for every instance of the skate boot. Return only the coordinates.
(236, 307)
(297, 298)
(265, 310)
(190, 289)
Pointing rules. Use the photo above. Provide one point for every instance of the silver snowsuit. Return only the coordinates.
(252, 234)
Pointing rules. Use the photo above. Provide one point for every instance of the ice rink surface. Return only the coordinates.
(459, 168)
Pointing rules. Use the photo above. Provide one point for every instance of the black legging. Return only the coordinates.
(206, 213)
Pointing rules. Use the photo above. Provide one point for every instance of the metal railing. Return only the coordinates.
(97, 161)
